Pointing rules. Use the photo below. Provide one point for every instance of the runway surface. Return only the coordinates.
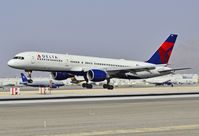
(141, 117)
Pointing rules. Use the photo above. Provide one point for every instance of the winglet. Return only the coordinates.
(162, 55)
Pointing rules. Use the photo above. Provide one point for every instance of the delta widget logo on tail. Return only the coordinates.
(162, 55)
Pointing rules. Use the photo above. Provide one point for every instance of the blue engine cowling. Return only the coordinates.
(96, 75)
(60, 75)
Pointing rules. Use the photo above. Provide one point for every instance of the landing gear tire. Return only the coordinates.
(89, 86)
(86, 85)
(109, 87)
(105, 86)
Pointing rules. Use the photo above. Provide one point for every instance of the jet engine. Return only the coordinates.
(96, 75)
(60, 75)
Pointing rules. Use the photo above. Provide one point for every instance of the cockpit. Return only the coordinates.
(19, 57)
(20, 61)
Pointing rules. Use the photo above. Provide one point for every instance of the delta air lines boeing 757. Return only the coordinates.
(95, 69)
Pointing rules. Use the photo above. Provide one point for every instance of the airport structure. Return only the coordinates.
(176, 79)
(17, 81)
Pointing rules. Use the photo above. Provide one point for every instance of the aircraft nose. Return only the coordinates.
(10, 63)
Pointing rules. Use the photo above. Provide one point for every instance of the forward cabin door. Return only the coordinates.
(67, 62)
(34, 63)
(33, 60)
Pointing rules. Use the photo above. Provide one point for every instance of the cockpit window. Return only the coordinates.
(19, 57)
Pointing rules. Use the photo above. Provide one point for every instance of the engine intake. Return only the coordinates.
(96, 75)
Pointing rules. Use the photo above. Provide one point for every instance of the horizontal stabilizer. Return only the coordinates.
(173, 70)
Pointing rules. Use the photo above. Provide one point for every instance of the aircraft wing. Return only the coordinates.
(129, 69)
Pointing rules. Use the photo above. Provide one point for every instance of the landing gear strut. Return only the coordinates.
(108, 86)
(29, 76)
(87, 85)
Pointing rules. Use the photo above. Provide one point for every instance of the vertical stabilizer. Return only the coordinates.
(24, 79)
(162, 55)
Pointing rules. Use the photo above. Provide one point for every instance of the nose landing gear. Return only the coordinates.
(29, 76)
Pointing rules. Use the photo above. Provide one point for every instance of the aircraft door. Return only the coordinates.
(33, 60)
(67, 61)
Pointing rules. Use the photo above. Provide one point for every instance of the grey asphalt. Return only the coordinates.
(149, 117)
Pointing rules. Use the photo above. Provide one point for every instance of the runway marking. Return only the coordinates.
(97, 99)
(132, 131)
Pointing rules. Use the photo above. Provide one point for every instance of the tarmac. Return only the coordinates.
(93, 92)
(148, 116)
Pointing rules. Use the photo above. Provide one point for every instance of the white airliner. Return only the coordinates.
(160, 82)
(95, 69)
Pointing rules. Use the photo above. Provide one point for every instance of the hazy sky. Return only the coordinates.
(130, 29)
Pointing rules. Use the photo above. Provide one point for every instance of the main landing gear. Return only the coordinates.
(90, 86)
(87, 85)
(108, 86)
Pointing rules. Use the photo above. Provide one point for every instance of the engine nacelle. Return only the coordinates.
(96, 75)
(60, 75)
